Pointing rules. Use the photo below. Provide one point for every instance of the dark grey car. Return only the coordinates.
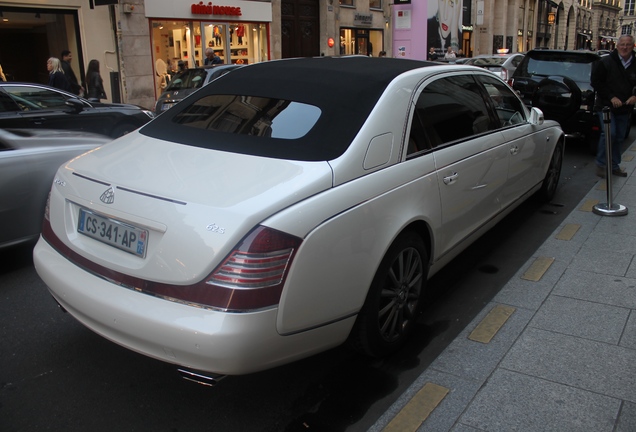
(28, 162)
(187, 82)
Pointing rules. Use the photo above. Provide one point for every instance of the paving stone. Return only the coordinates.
(512, 401)
(628, 339)
(599, 288)
(589, 365)
(627, 419)
(581, 318)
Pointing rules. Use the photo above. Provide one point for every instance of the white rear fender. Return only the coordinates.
(352, 230)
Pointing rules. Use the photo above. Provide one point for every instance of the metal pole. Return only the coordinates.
(609, 208)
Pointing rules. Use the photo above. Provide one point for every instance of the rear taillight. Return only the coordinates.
(47, 206)
(259, 262)
(251, 277)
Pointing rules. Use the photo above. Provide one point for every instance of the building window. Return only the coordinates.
(375, 4)
(346, 3)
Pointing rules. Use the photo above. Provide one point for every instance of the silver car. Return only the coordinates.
(28, 162)
(187, 82)
(503, 65)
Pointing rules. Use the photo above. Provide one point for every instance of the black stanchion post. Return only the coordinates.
(609, 208)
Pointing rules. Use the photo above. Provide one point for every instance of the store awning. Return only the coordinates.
(608, 37)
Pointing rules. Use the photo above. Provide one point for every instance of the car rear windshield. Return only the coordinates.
(191, 78)
(575, 67)
(250, 115)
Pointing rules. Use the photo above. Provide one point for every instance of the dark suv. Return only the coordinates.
(558, 83)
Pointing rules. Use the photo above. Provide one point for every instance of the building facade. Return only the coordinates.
(138, 42)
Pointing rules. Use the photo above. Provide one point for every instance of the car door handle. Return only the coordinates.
(38, 120)
(451, 178)
(514, 150)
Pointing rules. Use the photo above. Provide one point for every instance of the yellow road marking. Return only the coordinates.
(628, 158)
(490, 325)
(588, 205)
(568, 231)
(418, 409)
(538, 269)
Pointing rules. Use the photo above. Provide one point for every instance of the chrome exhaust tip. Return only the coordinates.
(204, 378)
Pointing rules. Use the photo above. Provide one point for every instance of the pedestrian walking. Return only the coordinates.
(57, 78)
(94, 83)
(614, 81)
(66, 59)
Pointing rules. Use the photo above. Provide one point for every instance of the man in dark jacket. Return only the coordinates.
(68, 71)
(614, 80)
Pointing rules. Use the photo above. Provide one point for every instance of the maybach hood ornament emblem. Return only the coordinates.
(108, 197)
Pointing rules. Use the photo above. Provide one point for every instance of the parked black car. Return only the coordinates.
(187, 82)
(558, 83)
(36, 106)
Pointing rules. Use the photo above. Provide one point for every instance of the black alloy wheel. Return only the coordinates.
(551, 179)
(395, 296)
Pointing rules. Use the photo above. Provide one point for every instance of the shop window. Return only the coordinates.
(346, 3)
(184, 43)
(375, 4)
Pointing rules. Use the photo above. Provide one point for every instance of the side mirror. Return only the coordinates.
(76, 104)
(536, 116)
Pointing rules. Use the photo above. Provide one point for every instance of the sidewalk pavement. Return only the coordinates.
(556, 348)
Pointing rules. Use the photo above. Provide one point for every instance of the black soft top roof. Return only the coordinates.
(344, 88)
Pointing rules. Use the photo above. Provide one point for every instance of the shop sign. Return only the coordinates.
(209, 9)
(361, 19)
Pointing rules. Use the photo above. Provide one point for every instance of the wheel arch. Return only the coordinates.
(423, 229)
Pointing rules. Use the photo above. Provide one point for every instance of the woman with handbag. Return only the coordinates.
(94, 82)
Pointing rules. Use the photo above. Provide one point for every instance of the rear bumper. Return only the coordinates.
(223, 343)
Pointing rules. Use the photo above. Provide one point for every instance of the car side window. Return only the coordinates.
(7, 104)
(508, 107)
(33, 99)
(448, 109)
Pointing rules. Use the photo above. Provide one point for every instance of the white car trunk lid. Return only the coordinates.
(195, 204)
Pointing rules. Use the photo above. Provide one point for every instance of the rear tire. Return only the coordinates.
(551, 179)
(394, 298)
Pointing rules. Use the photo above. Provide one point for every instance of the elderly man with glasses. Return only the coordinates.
(614, 80)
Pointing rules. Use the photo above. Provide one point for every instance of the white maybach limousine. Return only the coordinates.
(290, 206)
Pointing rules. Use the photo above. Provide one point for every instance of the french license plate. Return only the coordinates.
(113, 232)
(167, 106)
